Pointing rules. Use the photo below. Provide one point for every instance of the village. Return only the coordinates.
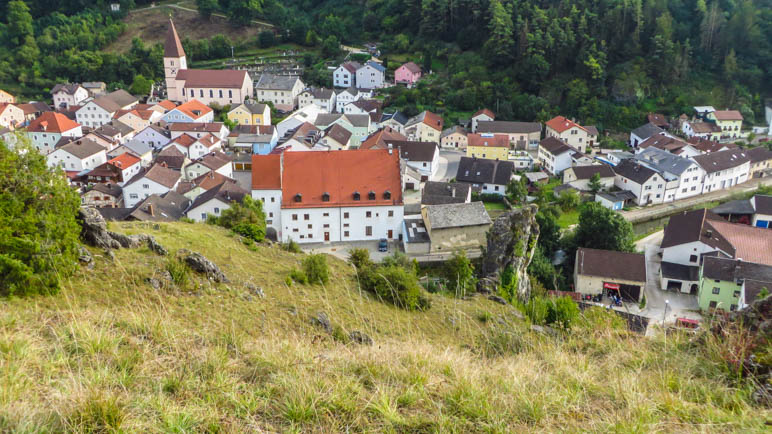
(338, 170)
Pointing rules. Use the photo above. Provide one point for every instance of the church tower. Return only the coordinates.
(174, 61)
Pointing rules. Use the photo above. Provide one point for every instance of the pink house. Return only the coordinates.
(408, 74)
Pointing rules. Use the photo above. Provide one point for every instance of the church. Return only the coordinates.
(219, 86)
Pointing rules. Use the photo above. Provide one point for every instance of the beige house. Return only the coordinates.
(10, 115)
(729, 121)
(138, 120)
(424, 127)
(453, 138)
(281, 90)
(571, 133)
(456, 226)
(761, 162)
(522, 135)
(6, 97)
(604, 272)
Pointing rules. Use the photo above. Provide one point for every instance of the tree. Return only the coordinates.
(569, 199)
(266, 39)
(500, 43)
(549, 229)
(602, 228)
(315, 268)
(246, 218)
(206, 7)
(19, 22)
(141, 85)
(242, 11)
(595, 184)
(330, 47)
(459, 274)
(516, 191)
(38, 227)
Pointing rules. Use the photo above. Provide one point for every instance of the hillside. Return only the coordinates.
(110, 351)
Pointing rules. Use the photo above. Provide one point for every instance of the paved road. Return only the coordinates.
(662, 210)
(341, 250)
(449, 160)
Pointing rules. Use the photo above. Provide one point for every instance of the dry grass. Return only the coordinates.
(111, 353)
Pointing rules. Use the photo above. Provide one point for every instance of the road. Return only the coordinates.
(665, 209)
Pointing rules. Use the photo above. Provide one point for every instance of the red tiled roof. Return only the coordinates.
(124, 160)
(194, 105)
(378, 139)
(433, 120)
(484, 111)
(53, 123)
(168, 105)
(185, 140)
(560, 124)
(211, 127)
(266, 172)
(489, 140)
(752, 244)
(728, 115)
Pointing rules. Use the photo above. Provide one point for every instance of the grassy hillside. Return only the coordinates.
(111, 352)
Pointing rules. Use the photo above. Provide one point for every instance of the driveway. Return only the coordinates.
(341, 250)
(448, 167)
(678, 305)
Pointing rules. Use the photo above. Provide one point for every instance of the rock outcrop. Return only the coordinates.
(198, 263)
(511, 242)
(94, 232)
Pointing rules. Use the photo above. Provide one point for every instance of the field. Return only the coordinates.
(110, 353)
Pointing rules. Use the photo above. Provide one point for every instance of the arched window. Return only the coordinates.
(371, 195)
(211, 93)
(356, 195)
(298, 197)
(326, 197)
(387, 194)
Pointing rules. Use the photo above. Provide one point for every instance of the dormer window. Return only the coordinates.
(298, 197)
(371, 195)
(387, 194)
(356, 195)
(326, 197)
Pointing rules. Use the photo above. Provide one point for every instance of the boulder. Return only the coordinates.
(155, 246)
(256, 290)
(84, 256)
(94, 229)
(497, 299)
(198, 263)
(321, 320)
(360, 338)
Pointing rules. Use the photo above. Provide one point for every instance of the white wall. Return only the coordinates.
(272, 207)
(341, 77)
(92, 115)
(334, 221)
(139, 190)
(70, 162)
(726, 178)
(682, 254)
(213, 206)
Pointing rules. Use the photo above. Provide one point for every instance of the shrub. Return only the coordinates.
(315, 267)
(562, 311)
(246, 219)
(459, 273)
(179, 272)
(395, 285)
(291, 246)
(360, 258)
(298, 276)
(508, 285)
(38, 226)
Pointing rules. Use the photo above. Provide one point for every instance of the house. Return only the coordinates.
(724, 169)
(761, 162)
(421, 156)
(522, 160)
(645, 183)
(683, 176)
(729, 121)
(535, 178)
(250, 114)
(198, 130)
(157, 179)
(346, 75)
(706, 130)
(411, 178)
(216, 200)
(281, 90)
(33, 110)
(324, 98)
(300, 116)
(210, 86)
(348, 95)
(253, 139)
(756, 211)
(554, 155)
(196, 147)
(7, 135)
(166, 207)
(6, 97)
(522, 135)
(10, 116)
(115, 131)
(482, 115)
(456, 226)
(424, 127)
(731, 284)
(335, 138)
(644, 132)
(603, 272)
(454, 137)
(141, 150)
(378, 139)
(103, 195)
(116, 170)
(415, 240)
(322, 203)
(485, 176)
(77, 156)
(706, 146)
(689, 235)
(101, 110)
(667, 143)
(363, 107)
(358, 125)
(302, 138)
(95, 88)
(45, 131)
(659, 120)
(616, 200)
(213, 162)
(493, 146)
(579, 177)
(66, 95)
(408, 74)
(191, 111)
(395, 121)
(372, 75)
(154, 135)
(571, 133)
(138, 119)
(162, 106)
(201, 184)
(438, 193)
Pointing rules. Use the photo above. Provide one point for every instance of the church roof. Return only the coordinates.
(172, 45)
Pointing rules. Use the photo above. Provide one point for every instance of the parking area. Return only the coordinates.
(341, 250)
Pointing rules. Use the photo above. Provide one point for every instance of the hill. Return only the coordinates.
(109, 351)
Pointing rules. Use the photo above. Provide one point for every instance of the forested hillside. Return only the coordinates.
(604, 61)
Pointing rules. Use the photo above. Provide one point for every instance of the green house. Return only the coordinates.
(731, 284)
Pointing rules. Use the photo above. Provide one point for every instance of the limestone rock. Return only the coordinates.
(198, 263)
(323, 321)
(360, 338)
(256, 290)
(497, 299)
(84, 256)
(94, 229)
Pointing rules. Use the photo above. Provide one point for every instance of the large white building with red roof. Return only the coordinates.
(571, 133)
(218, 86)
(45, 131)
(317, 197)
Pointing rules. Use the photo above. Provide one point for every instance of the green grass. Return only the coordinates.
(568, 218)
(495, 206)
(111, 354)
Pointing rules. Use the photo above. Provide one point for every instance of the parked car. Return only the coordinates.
(383, 245)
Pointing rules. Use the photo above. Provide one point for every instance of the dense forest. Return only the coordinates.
(605, 62)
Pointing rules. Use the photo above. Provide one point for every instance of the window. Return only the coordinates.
(217, 210)
(368, 231)
(203, 216)
(310, 226)
(716, 290)
(294, 217)
(145, 186)
(295, 230)
(306, 216)
(326, 214)
(345, 215)
(298, 197)
(356, 195)
(693, 258)
(345, 225)
(220, 93)
(391, 213)
(270, 214)
(345, 233)
(201, 93)
(133, 196)
(230, 94)
(273, 199)
(326, 225)
(713, 304)
(733, 307)
(325, 197)
(737, 293)
(211, 93)
(369, 214)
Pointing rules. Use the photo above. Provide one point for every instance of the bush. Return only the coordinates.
(298, 276)
(315, 268)
(38, 223)
(179, 272)
(360, 258)
(459, 274)
(291, 246)
(562, 311)
(395, 285)
(266, 39)
(246, 219)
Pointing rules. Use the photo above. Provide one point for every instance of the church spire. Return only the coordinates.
(172, 45)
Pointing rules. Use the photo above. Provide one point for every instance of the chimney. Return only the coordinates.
(150, 209)
(709, 233)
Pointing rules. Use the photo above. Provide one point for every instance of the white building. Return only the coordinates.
(45, 131)
(297, 118)
(646, 184)
(197, 130)
(155, 180)
(421, 156)
(77, 156)
(351, 94)
(484, 175)
(483, 115)
(101, 110)
(642, 133)
(724, 169)
(555, 156)
(321, 203)
(215, 201)
(67, 95)
(217, 162)
(346, 75)
(324, 98)
(281, 90)
(571, 133)
(371, 75)
(689, 234)
(191, 111)
(684, 177)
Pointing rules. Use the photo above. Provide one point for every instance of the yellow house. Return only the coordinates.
(6, 97)
(490, 146)
(251, 114)
(730, 122)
